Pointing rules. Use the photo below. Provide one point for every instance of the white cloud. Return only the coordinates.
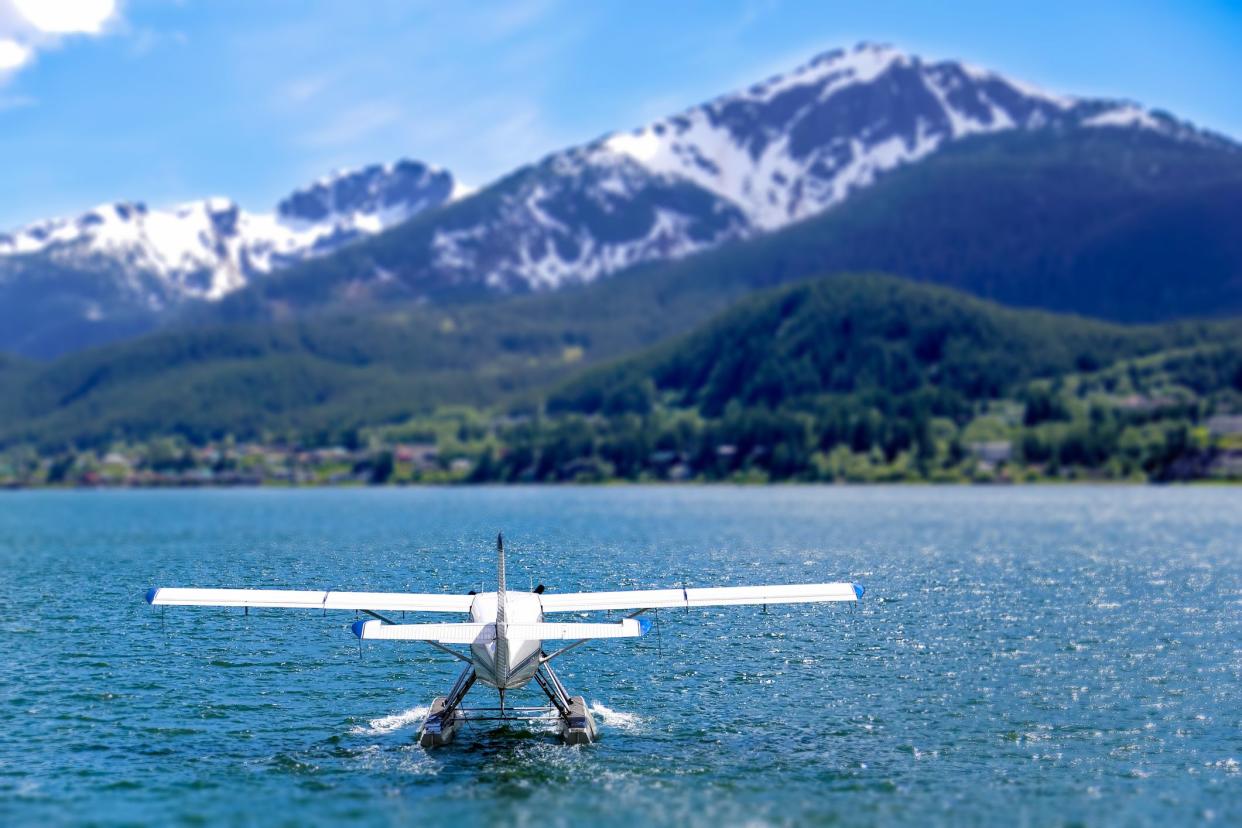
(66, 16)
(30, 26)
(13, 55)
(354, 124)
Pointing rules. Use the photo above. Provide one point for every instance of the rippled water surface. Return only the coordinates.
(1046, 655)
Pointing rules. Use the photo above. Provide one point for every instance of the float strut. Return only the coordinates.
(554, 695)
(444, 718)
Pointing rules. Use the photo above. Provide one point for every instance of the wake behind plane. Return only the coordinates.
(506, 634)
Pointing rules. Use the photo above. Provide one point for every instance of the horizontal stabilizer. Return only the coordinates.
(485, 633)
(627, 628)
(443, 633)
(700, 597)
(310, 599)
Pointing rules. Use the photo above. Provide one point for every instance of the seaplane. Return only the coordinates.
(508, 634)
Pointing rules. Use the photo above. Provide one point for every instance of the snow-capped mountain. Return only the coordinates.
(796, 144)
(744, 164)
(207, 249)
(748, 162)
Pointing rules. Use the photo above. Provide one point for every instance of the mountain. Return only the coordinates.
(327, 372)
(117, 269)
(743, 165)
(853, 334)
(746, 164)
(1133, 224)
(869, 378)
(1126, 225)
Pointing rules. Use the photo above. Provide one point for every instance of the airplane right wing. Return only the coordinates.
(700, 597)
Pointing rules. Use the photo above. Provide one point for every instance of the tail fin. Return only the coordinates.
(500, 578)
(502, 628)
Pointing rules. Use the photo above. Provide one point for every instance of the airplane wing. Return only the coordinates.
(309, 599)
(484, 633)
(700, 597)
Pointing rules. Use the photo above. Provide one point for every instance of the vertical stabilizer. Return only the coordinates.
(500, 578)
(502, 627)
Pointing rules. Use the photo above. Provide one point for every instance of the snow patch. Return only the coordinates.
(210, 248)
(642, 145)
(1125, 115)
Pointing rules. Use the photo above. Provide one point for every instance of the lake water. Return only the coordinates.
(1032, 655)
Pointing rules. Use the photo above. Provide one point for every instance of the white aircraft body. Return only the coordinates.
(506, 633)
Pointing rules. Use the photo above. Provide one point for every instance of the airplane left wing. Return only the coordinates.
(700, 597)
(309, 599)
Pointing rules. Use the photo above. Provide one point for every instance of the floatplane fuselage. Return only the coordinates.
(506, 634)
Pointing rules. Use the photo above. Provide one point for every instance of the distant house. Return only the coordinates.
(208, 454)
(332, 454)
(509, 420)
(992, 452)
(422, 456)
(1227, 464)
(115, 458)
(1139, 402)
(1225, 424)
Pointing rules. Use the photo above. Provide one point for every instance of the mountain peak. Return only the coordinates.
(405, 186)
(206, 249)
(861, 62)
(801, 142)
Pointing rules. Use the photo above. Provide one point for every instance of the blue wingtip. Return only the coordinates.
(357, 627)
(858, 591)
(644, 624)
(151, 594)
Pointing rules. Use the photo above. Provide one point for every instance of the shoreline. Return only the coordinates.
(637, 484)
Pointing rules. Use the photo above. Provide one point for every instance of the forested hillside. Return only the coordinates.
(853, 335)
(841, 378)
(878, 378)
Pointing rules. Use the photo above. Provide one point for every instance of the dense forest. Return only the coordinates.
(877, 378)
(847, 378)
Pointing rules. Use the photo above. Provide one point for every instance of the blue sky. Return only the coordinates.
(170, 100)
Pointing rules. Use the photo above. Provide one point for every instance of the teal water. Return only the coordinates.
(1038, 656)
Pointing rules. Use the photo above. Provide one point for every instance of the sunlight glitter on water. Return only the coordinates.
(1038, 656)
